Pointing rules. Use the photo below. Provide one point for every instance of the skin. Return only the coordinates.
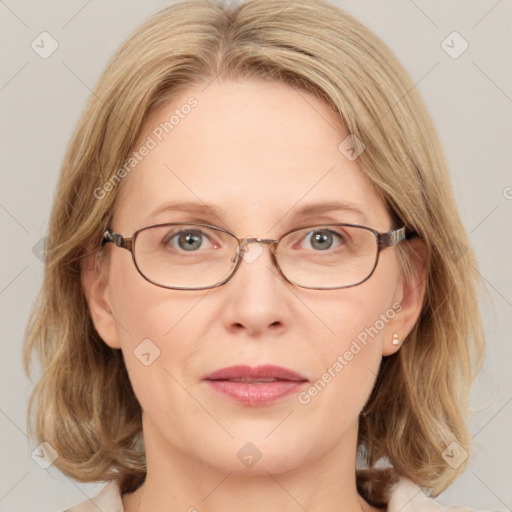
(259, 150)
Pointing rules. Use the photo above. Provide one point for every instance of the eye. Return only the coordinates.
(189, 240)
(324, 239)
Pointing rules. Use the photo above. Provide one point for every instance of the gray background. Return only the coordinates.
(469, 97)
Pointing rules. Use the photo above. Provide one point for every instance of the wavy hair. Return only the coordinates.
(83, 403)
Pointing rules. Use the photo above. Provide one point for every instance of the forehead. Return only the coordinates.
(255, 150)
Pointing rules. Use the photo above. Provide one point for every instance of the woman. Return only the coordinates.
(257, 276)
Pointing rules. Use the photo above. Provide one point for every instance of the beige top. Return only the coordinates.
(405, 497)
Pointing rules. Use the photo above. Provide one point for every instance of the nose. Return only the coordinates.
(252, 248)
(256, 294)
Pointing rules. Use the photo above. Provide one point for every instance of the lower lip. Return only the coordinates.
(254, 393)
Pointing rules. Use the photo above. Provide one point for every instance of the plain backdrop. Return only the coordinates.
(469, 97)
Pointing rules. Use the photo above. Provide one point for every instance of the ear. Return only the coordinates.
(410, 295)
(95, 285)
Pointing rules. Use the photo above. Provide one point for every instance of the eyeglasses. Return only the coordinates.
(200, 256)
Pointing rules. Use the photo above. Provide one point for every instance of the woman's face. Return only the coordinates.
(257, 153)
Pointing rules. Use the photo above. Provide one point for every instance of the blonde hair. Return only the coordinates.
(84, 405)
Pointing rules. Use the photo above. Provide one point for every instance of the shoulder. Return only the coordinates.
(406, 496)
(107, 500)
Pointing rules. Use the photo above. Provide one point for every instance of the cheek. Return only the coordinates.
(348, 354)
(160, 340)
(143, 310)
(157, 338)
(357, 319)
(344, 375)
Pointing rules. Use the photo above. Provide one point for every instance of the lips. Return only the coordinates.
(255, 386)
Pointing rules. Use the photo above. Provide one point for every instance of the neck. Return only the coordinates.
(178, 481)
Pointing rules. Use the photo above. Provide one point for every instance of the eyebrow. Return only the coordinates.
(307, 210)
(326, 207)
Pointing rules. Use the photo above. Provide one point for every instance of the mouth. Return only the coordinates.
(255, 386)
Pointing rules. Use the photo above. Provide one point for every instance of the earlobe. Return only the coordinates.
(94, 284)
(412, 294)
(391, 344)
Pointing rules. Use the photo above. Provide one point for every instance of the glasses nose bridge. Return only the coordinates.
(244, 242)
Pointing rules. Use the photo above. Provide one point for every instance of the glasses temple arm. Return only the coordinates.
(117, 239)
(394, 237)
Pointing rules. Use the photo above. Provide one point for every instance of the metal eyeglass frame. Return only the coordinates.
(384, 240)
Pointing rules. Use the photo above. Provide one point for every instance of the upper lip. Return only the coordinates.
(265, 373)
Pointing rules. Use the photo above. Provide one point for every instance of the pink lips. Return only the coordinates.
(260, 385)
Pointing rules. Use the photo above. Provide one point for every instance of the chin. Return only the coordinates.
(257, 454)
